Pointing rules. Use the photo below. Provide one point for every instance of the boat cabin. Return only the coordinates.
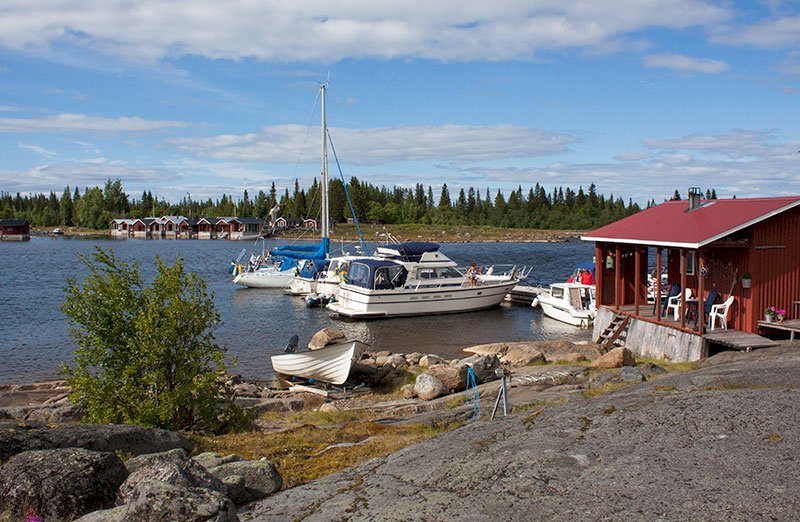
(707, 249)
(376, 274)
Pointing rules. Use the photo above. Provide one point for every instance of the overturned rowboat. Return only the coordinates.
(330, 364)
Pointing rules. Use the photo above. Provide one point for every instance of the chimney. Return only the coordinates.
(695, 197)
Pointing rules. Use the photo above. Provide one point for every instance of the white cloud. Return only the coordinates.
(81, 122)
(457, 143)
(768, 34)
(8, 108)
(37, 149)
(278, 31)
(685, 63)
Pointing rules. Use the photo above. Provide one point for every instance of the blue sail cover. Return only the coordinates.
(317, 251)
(313, 267)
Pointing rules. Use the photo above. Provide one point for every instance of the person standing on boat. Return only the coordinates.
(473, 272)
(587, 278)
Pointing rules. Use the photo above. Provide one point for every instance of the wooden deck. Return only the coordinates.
(792, 326)
(738, 340)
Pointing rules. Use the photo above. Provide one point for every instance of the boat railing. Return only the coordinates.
(504, 271)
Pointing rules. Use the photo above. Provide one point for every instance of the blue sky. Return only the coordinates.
(640, 97)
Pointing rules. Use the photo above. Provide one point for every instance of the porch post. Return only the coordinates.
(616, 277)
(636, 282)
(658, 283)
(683, 288)
(701, 312)
(599, 267)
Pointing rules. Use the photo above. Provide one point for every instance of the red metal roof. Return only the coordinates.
(671, 224)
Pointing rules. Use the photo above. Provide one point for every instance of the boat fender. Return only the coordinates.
(535, 302)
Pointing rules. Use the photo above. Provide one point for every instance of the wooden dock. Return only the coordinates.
(792, 326)
(738, 340)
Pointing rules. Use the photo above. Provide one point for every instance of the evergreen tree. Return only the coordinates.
(444, 198)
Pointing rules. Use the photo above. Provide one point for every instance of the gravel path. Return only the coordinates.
(719, 443)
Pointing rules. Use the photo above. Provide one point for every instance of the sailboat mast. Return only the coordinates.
(325, 213)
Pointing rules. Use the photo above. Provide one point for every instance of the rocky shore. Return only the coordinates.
(606, 439)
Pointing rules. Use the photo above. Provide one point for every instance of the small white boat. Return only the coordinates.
(410, 279)
(571, 303)
(269, 276)
(330, 364)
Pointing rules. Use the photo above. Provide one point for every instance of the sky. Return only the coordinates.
(202, 98)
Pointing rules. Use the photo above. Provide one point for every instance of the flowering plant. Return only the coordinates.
(770, 311)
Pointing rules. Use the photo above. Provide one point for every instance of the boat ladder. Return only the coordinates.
(615, 329)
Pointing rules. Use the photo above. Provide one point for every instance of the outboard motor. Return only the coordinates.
(292, 346)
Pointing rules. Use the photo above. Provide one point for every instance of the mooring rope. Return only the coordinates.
(473, 396)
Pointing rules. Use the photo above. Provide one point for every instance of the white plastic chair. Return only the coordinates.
(674, 303)
(720, 311)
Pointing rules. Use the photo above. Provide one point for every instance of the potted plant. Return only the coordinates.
(769, 314)
(746, 280)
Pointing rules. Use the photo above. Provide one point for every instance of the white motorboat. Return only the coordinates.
(571, 303)
(409, 279)
(330, 364)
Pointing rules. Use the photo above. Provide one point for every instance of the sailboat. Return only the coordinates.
(279, 266)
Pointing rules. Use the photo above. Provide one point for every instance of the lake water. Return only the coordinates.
(257, 323)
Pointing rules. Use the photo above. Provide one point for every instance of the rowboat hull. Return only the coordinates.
(330, 364)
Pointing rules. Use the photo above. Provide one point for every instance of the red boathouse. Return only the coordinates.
(706, 249)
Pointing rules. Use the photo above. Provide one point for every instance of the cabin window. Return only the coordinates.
(359, 275)
(426, 273)
(557, 292)
(450, 272)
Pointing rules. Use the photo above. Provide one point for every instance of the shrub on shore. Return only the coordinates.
(146, 353)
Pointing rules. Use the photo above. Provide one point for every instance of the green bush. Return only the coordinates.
(146, 354)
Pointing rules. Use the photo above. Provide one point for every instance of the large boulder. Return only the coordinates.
(325, 337)
(176, 456)
(209, 459)
(60, 484)
(261, 479)
(187, 474)
(453, 378)
(561, 350)
(154, 500)
(616, 358)
(428, 387)
(16, 437)
(484, 366)
(498, 349)
(522, 355)
(426, 361)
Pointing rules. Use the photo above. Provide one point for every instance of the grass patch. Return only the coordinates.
(606, 388)
(307, 452)
(671, 367)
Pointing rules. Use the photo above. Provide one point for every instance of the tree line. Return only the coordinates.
(561, 208)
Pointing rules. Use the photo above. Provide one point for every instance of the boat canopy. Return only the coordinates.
(412, 250)
(376, 274)
(312, 267)
(316, 251)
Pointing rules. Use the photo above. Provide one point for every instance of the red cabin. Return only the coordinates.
(705, 248)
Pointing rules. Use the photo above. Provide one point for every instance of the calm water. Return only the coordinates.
(256, 323)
